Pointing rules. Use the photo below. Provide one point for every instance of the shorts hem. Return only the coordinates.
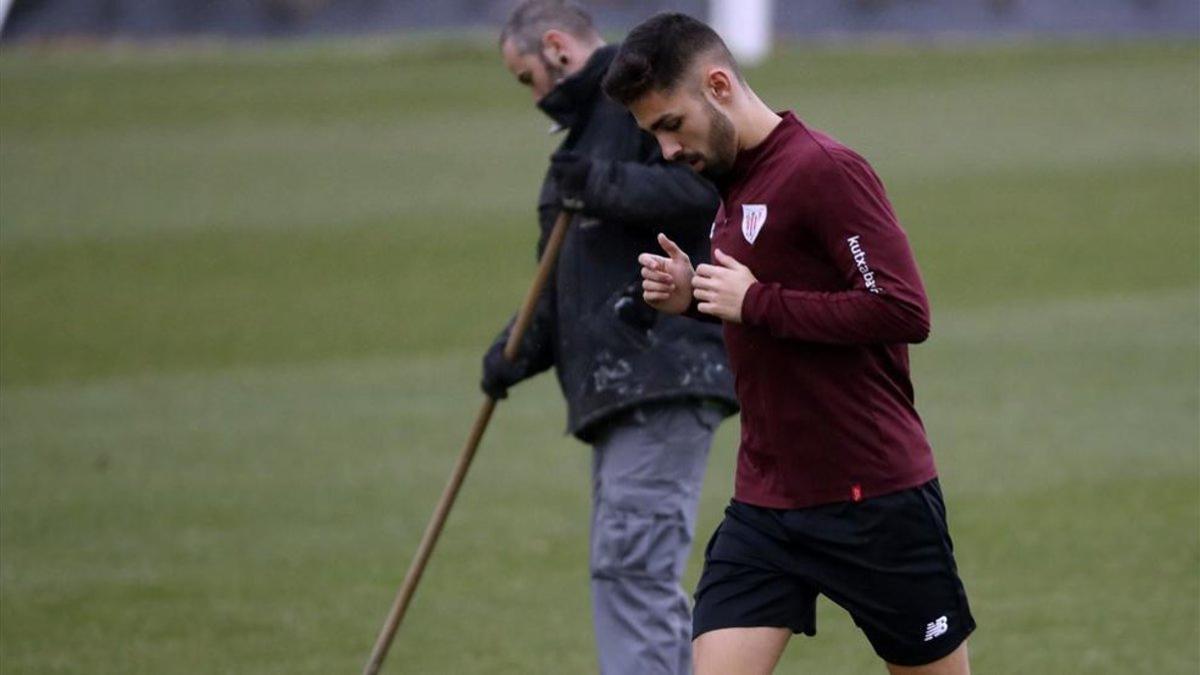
(804, 630)
(945, 648)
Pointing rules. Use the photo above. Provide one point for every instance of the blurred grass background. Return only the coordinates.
(243, 293)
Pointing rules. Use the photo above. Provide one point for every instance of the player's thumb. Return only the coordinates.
(671, 248)
(726, 260)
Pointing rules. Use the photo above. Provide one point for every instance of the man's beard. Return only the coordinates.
(722, 144)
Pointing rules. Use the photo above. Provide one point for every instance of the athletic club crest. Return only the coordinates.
(754, 216)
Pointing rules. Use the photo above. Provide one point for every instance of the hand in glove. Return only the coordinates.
(499, 373)
(570, 172)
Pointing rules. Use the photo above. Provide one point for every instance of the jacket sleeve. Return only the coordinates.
(650, 192)
(885, 301)
(536, 353)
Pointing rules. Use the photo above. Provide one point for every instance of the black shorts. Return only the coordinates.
(888, 561)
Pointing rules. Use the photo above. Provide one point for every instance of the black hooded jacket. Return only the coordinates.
(606, 363)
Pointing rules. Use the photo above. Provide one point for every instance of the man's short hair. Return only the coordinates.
(530, 20)
(658, 53)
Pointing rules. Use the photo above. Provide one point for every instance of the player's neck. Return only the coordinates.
(756, 122)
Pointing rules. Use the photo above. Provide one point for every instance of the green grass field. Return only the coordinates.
(243, 294)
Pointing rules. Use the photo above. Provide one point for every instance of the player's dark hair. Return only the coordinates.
(530, 20)
(658, 53)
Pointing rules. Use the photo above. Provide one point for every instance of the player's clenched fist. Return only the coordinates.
(667, 282)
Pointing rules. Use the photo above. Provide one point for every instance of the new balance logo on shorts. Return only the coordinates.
(936, 627)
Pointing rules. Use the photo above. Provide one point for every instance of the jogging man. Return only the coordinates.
(647, 391)
(836, 491)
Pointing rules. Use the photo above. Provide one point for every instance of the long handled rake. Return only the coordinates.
(438, 520)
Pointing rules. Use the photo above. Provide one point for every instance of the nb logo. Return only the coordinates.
(936, 628)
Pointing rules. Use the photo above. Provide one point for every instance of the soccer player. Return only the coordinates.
(646, 391)
(816, 286)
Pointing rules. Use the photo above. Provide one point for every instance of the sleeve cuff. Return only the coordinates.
(595, 188)
(755, 303)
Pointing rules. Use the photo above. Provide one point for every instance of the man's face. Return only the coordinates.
(531, 70)
(688, 128)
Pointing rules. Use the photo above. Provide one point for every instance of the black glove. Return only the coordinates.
(499, 373)
(570, 172)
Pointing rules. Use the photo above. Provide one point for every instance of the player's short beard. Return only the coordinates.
(722, 142)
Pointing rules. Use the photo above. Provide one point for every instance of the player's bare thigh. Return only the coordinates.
(739, 651)
(756, 651)
(954, 663)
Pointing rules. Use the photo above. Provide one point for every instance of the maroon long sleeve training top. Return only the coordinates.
(821, 358)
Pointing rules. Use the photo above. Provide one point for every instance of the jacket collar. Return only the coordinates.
(569, 99)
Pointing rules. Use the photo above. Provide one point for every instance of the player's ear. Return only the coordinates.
(719, 83)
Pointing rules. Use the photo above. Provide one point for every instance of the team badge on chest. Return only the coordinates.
(754, 217)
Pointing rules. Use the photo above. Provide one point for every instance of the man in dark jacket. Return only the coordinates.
(646, 390)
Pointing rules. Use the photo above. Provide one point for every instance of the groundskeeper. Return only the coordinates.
(819, 295)
(645, 390)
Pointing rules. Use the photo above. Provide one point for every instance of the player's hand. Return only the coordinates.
(721, 287)
(667, 282)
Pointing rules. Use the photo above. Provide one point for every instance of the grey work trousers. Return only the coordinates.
(647, 471)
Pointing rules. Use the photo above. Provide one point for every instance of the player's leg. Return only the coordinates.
(955, 663)
(889, 562)
(748, 601)
(647, 470)
(739, 651)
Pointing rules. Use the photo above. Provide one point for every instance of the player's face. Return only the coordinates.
(689, 129)
(531, 70)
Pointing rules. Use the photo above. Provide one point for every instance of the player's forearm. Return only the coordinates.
(846, 317)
